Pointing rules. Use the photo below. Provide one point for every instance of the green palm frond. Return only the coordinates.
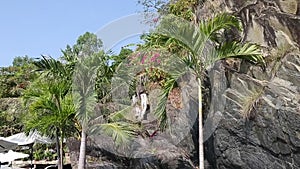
(68, 108)
(120, 115)
(52, 66)
(32, 93)
(181, 31)
(247, 51)
(121, 132)
(188, 36)
(44, 104)
(85, 108)
(160, 111)
(43, 125)
(84, 94)
(219, 22)
(175, 67)
(41, 119)
(59, 87)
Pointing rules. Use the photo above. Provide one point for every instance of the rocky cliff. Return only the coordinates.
(252, 112)
(260, 108)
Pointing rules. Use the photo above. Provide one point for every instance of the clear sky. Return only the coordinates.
(35, 27)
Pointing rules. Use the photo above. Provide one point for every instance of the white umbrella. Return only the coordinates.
(11, 156)
(33, 137)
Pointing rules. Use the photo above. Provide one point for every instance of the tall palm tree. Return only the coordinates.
(87, 72)
(50, 103)
(206, 44)
(85, 99)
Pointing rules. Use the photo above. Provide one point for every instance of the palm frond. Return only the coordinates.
(32, 93)
(181, 31)
(219, 22)
(52, 66)
(176, 67)
(68, 108)
(43, 104)
(247, 51)
(120, 115)
(85, 108)
(188, 36)
(160, 111)
(121, 132)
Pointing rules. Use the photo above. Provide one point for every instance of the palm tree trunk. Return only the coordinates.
(81, 163)
(62, 149)
(58, 149)
(201, 150)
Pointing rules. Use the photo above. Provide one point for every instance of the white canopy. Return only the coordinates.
(11, 156)
(6, 145)
(22, 139)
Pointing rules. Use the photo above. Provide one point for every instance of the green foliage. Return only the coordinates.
(49, 107)
(157, 75)
(120, 115)
(157, 41)
(53, 68)
(9, 124)
(50, 104)
(42, 152)
(160, 111)
(21, 61)
(104, 73)
(184, 8)
(201, 43)
(154, 6)
(117, 59)
(14, 79)
(84, 92)
(87, 45)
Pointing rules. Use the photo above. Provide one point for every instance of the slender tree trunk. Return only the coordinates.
(81, 163)
(62, 149)
(58, 149)
(201, 150)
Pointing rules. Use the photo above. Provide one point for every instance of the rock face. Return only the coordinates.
(252, 113)
(260, 110)
(259, 125)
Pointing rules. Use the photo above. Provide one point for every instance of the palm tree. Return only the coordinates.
(205, 44)
(89, 71)
(87, 67)
(85, 99)
(50, 103)
(51, 111)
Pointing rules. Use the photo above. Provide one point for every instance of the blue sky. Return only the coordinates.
(35, 27)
